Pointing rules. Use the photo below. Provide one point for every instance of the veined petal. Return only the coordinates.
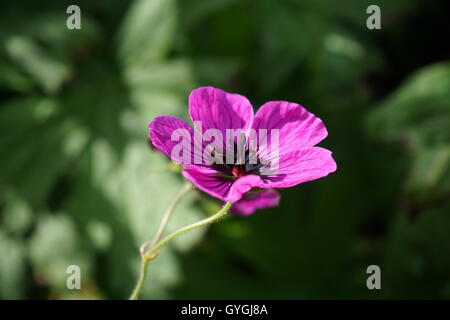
(301, 166)
(256, 199)
(297, 128)
(217, 109)
(167, 132)
(226, 189)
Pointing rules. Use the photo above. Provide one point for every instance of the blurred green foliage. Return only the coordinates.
(80, 185)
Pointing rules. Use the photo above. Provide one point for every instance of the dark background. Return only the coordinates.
(79, 184)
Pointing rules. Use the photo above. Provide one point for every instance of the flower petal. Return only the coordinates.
(226, 189)
(217, 109)
(161, 131)
(297, 128)
(256, 199)
(301, 166)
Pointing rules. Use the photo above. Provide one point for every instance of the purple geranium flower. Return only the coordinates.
(297, 158)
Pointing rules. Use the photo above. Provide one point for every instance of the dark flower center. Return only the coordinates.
(238, 171)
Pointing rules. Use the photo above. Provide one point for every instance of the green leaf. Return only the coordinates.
(12, 268)
(40, 145)
(147, 32)
(54, 246)
(418, 112)
(417, 116)
(48, 71)
(17, 215)
(128, 196)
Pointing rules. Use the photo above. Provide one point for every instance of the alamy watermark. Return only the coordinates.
(74, 279)
(73, 21)
(374, 280)
(374, 20)
(255, 149)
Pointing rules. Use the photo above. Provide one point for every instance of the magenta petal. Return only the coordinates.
(208, 182)
(217, 186)
(256, 199)
(301, 166)
(242, 185)
(217, 109)
(297, 127)
(160, 134)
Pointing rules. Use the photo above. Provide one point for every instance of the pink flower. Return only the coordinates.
(297, 158)
(255, 199)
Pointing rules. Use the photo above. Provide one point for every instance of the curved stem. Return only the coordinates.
(186, 188)
(154, 250)
(197, 224)
(167, 214)
(142, 277)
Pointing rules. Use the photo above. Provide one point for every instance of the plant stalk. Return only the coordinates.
(156, 245)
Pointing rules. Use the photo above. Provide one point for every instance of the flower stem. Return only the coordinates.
(167, 214)
(141, 280)
(146, 257)
(186, 188)
(194, 225)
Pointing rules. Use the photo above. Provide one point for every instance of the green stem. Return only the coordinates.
(187, 187)
(144, 261)
(141, 280)
(154, 250)
(197, 224)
